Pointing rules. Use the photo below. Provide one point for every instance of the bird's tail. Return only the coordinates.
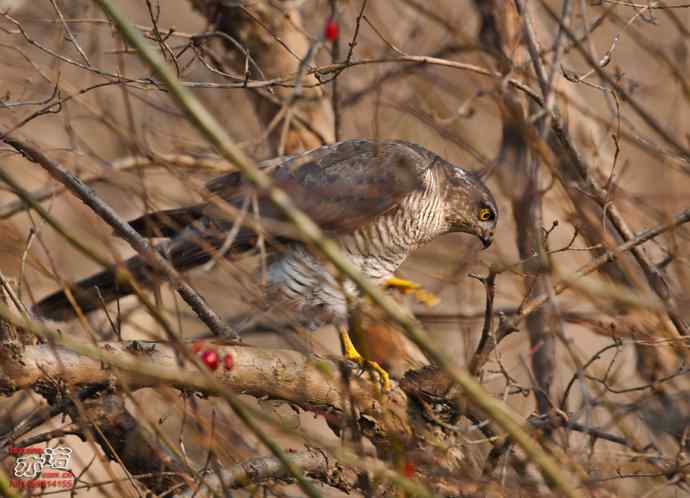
(185, 252)
(92, 293)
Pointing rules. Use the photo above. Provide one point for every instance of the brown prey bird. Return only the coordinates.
(379, 200)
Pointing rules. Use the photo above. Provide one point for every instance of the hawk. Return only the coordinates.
(379, 200)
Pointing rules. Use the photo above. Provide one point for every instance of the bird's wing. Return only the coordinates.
(170, 222)
(342, 186)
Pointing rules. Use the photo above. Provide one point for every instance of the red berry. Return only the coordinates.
(331, 30)
(197, 346)
(228, 361)
(210, 358)
(409, 470)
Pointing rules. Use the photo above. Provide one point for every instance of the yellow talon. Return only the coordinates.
(407, 287)
(351, 353)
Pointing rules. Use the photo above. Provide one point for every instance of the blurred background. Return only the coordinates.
(70, 85)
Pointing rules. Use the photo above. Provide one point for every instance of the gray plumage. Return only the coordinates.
(379, 200)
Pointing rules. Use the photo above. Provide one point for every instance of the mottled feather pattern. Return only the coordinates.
(379, 199)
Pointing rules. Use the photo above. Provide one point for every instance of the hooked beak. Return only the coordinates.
(487, 239)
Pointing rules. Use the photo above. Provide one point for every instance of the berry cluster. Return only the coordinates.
(211, 358)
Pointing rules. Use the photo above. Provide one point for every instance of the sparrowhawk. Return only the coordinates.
(378, 199)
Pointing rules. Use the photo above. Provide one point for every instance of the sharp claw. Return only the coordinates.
(385, 378)
(351, 353)
(426, 297)
(372, 366)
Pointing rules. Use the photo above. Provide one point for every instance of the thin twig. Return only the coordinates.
(637, 240)
(487, 341)
(125, 231)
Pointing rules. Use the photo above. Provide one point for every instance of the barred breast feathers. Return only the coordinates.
(377, 249)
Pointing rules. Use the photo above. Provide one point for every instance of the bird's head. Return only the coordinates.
(470, 206)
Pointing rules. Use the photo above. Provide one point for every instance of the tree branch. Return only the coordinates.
(639, 239)
(125, 231)
(308, 381)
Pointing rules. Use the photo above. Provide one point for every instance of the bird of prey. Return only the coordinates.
(379, 200)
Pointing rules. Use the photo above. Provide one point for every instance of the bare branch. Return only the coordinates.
(124, 230)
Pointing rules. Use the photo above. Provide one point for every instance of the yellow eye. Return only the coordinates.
(485, 214)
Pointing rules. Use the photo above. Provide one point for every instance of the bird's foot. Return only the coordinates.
(373, 367)
(408, 287)
(351, 353)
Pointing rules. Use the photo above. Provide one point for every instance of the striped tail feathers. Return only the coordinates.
(92, 293)
(167, 223)
(191, 248)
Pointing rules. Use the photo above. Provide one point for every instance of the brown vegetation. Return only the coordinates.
(555, 363)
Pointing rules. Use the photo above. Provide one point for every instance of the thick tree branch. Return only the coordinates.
(308, 381)
(545, 324)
